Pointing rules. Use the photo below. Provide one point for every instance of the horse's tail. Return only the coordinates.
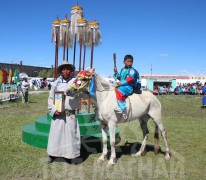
(156, 140)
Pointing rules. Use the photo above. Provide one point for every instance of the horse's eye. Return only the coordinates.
(78, 82)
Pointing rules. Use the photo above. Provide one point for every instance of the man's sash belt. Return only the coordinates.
(69, 112)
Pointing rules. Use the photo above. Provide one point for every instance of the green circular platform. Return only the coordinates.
(36, 134)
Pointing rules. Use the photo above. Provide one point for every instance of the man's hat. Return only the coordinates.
(66, 64)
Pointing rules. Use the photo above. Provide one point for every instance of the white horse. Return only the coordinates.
(139, 106)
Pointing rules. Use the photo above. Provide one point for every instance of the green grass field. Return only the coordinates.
(184, 121)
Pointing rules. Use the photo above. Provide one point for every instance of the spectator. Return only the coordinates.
(192, 90)
(176, 91)
(25, 90)
(199, 89)
(156, 90)
(49, 85)
(204, 96)
(180, 90)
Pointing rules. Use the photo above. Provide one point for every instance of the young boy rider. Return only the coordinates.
(127, 79)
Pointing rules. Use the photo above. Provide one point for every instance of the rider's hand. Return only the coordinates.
(115, 69)
(117, 84)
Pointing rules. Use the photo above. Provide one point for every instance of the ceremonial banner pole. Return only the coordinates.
(81, 30)
(94, 37)
(55, 39)
(76, 14)
(64, 48)
(56, 56)
(80, 55)
(74, 55)
(65, 36)
(86, 43)
(84, 57)
(67, 53)
(92, 53)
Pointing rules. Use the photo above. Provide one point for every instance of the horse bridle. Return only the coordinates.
(79, 79)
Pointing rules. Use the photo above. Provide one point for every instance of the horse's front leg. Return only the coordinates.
(112, 127)
(104, 128)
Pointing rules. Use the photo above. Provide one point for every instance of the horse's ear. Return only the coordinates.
(92, 70)
(88, 68)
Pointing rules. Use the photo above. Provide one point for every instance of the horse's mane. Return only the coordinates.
(102, 84)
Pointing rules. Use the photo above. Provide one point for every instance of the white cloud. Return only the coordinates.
(164, 55)
(190, 73)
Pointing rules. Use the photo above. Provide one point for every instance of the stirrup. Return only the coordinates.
(124, 115)
(118, 110)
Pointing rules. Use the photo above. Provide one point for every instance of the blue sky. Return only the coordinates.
(170, 35)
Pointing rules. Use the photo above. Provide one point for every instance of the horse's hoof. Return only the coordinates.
(112, 161)
(102, 158)
(137, 154)
(167, 157)
(99, 160)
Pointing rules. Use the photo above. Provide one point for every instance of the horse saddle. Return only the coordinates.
(137, 91)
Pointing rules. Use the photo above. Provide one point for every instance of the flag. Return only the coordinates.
(16, 76)
(10, 76)
(5, 74)
(1, 76)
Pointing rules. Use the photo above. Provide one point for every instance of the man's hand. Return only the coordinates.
(115, 69)
(57, 113)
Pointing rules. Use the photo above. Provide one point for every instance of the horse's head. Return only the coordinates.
(82, 81)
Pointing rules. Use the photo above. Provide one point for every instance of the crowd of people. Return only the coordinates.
(185, 89)
(40, 83)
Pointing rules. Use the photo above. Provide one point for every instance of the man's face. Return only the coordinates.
(128, 63)
(65, 72)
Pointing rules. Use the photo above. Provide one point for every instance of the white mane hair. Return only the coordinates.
(103, 84)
